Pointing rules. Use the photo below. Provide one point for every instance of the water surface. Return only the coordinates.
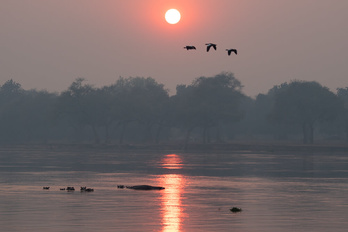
(277, 192)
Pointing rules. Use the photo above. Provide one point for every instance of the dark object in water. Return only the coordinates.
(70, 188)
(85, 189)
(144, 187)
(46, 188)
(62, 189)
(235, 209)
(120, 186)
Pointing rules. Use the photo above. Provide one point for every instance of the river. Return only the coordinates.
(277, 192)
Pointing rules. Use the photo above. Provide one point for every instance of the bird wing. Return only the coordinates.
(208, 47)
(214, 46)
(235, 51)
(229, 52)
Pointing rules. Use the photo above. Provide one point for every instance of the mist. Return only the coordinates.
(138, 110)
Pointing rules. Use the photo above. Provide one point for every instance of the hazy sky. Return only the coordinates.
(47, 44)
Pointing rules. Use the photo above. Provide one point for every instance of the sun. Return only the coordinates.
(172, 16)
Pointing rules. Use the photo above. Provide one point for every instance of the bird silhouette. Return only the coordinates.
(229, 51)
(209, 45)
(190, 47)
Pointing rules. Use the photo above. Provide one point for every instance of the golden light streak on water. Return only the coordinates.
(172, 214)
(171, 161)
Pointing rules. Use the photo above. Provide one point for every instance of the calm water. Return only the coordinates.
(277, 192)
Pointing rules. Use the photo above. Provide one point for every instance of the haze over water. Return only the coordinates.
(277, 191)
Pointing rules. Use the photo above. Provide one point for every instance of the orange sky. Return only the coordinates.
(48, 44)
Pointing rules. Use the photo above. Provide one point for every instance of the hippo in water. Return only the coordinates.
(85, 189)
(235, 210)
(142, 187)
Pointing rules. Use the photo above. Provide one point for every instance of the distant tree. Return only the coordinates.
(81, 105)
(36, 108)
(10, 96)
(10, 91)
(11, 88)
(304, 104)
(259, 116)
(24, 114)
(343, 95)
(139, 100)
(256, 121)
(208, 102)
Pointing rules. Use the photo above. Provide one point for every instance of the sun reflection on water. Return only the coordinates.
(171, 161)
(172, 214)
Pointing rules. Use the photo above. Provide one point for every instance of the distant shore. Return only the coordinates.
(244, 147)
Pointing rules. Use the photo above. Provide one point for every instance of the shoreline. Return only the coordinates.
(242, 147)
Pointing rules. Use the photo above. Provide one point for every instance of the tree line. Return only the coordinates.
(140, 110)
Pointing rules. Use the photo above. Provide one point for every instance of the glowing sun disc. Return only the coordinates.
(172, 16)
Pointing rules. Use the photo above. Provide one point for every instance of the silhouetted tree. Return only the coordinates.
(256, 121)
(208, 102)
(305, 103)
(82, 106)
(140, 109)
(24, 115)
(138, 100)
(10, 96)
(10, 89)
(259, 116)
(343, 94)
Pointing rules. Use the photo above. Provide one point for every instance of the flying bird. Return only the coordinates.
(190, 47)
(229, 51)
(209, 45)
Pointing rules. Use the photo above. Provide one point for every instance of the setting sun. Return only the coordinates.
(172, 16)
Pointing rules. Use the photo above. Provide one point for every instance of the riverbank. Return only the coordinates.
(190, 148)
